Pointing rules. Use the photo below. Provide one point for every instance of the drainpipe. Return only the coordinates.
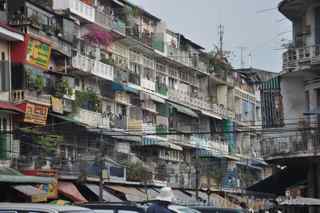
(10, 71)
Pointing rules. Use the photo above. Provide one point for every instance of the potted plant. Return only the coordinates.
(35, 21)
(62, 88)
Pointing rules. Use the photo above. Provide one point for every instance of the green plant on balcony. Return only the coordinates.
(87, 100)
(46, 142)
(108, 61)
(137, 172)
(62, 88)
(35, 82)
(35, 22)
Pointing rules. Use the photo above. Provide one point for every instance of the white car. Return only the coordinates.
(40, 208)
(182, 209)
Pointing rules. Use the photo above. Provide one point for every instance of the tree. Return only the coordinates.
(136, 171)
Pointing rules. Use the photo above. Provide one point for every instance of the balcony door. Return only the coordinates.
(317, 26)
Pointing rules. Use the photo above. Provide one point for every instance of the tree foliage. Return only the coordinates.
(137, 172)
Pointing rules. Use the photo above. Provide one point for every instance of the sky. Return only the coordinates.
(246, 23)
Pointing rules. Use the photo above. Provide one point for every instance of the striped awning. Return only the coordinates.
(148, 141)
(185, 110)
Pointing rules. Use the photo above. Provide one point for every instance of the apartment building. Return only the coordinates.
(291, 105)
(107, 78)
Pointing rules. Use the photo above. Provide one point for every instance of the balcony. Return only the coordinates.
(94, 67)
(295, 146)
(122, 98)
(19, 96)
(218, 144)
(92, 119)
(148, 84)
(184, 58)
(119, 123)
(161, 89)
(76, 7)
(296, 59)
(110, 23)
(197, 103)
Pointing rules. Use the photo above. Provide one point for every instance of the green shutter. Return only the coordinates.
(3, 147)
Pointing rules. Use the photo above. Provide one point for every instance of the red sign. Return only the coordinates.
(34, 113)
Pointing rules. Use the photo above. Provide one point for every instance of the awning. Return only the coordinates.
(70, 191)
(209, 153)
(183, 198)
(147, 141)
(211, 115)
(106, 195)
(152, 193)
(5, 106)
(24, 179)
(154, 97)
(65, 118)
(131, 193)
(120, 135)
(301, 201)
(35, 194)
(122, 87)
(279, 182)
(184, 110)
(248, 164)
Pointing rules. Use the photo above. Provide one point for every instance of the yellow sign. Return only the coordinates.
(38, 198)
(57, 105)
(38, 53)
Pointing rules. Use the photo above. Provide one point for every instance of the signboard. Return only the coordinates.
(36, 114)
(50, 189)
(38, 53)
(57, 105)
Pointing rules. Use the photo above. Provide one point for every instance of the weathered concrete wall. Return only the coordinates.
(293, 93)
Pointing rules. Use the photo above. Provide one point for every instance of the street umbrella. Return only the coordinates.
(60, 202)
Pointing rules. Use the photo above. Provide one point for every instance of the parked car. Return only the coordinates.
(182, 209)
(125, 207)
(205, 209)
(40, 208)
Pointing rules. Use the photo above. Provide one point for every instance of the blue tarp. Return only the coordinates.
(121, 87)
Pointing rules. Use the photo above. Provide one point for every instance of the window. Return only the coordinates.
(3, 56)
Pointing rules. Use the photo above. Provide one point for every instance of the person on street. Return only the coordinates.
(163, 200)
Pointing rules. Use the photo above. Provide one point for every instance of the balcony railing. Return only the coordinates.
(184, 58)
(19, 96)
(161, 89)
(120, 123)
(197, 103)
(92, 119)
(76, 7)
(148, 84)
(291, 146)
(296, 58)
(95, 67)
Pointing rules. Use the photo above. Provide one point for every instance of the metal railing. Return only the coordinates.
(295, 145)
(77, 7)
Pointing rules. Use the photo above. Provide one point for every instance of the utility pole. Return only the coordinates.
(100, 161)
